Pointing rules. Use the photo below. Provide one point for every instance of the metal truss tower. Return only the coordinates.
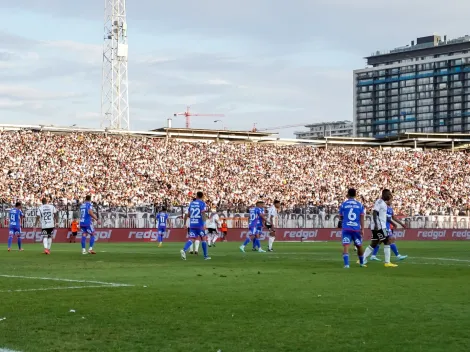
(114, 89)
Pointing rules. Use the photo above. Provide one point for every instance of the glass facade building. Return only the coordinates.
(421, 88)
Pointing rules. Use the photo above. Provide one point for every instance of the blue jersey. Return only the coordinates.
(15, 218)
(162, 218)
(196, 210)
(389, 216)
(85, 217)
(351, 211)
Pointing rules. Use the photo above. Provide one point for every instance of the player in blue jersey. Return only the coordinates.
(257, 217)
(351, 214)
(15, 218)
(86, 224)
(162, 224)
(197, 223)
(392, 220)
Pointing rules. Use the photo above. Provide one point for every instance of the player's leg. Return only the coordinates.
(188, 244)
(253, 240)
(44, 241)
(394, 248)
(18, 238)
(214, 240)
(203, 237)
(373, 243)
(10, 239)
(387, 253)
(91, 231)
(374, 253)
(49, 240)
(191, 247)
(209, 237)
(346, 241)
(197, 242)
(161, 234)
(271, 239)
(258, 242)
(83, 240)
(247, 240)
(357, 238)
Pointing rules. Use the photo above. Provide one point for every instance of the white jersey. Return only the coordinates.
(212, 221)
(380, 207)
(46, 213)
(272, 212)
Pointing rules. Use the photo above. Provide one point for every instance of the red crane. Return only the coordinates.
(276, 128)
(188, 114)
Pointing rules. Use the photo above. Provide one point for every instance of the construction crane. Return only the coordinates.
(276, 128)
(188, 114)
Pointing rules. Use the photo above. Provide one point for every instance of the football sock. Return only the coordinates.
(215, 239)
(44, 242)
(271, 241)
(159, 238)
(254, 242)
(387, 253)
(10, 240)
(346, 259)
(92, 241)
(376, 250)
(83, 242)
(246, 242)
(209, 239)
(361, 259)
(19, 241)
(258, 243)
(204, 248)
(49, 243)
(191, 247)
(197, 246)
(394, 249)
(368, 252)
(187, 245)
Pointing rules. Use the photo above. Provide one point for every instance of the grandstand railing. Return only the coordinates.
(144, 217)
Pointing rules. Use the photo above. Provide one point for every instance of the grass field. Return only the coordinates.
(136, 297)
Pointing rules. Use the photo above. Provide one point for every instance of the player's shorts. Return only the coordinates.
(87, 230)
(161, 230)
(212, 231)
(351, 237)
(253, 231)
(15, 231)
(379, 235)
(74, 234)
(390, 233)
(47, 232)
(196, 233)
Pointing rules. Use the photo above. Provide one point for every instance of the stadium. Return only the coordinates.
(196, 239)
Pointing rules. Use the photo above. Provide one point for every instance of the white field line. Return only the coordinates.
(7, 350)
(59, 288)
(112, 284)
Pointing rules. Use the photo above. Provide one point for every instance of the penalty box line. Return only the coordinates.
(94, 284)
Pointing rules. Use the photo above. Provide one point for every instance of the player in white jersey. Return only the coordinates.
(212, 224)
(272, 222)
(47, 215)
(379, 228)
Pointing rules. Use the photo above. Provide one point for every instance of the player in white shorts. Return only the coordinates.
(47, 215)
(272, 223)
(212, 224)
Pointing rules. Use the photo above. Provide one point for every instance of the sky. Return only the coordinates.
(269, 62)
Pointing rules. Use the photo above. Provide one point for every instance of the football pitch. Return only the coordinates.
(137, 297)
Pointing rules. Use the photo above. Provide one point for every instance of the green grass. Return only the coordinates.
(296, 299)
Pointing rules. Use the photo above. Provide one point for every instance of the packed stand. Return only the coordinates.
(130, 171)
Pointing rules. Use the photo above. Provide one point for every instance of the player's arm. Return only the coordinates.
(362, 221)
(340, 221)
(167, 222)
(92, 214)
(38, 218)
(375, 217)
(394, 221)
(185, 219)
(56, 217)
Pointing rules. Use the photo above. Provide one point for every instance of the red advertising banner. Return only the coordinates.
(237, 235)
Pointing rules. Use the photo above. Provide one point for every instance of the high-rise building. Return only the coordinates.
(423, 87)
(326, 129)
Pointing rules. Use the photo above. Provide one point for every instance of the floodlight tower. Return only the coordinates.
(114, 89)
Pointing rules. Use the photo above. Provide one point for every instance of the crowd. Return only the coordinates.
(131, 170)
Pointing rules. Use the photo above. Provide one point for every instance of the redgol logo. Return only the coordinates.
(263, 236)
(432, 234)
(35, 236)
(99, 235)
(301, 234)
(141, 235)
(399, 234)
(461, 234)
(336, 234)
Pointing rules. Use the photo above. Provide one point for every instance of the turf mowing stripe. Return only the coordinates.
(66, 280)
